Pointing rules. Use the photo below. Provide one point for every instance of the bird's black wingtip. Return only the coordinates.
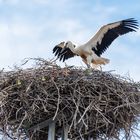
(131, 23)
(131, 20)
(54, 49)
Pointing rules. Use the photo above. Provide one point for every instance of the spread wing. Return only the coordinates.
(58, 48)
(108, 33)
(62, 52)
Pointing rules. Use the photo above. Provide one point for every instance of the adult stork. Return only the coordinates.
(91, 51)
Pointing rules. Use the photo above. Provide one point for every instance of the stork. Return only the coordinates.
(91, 51)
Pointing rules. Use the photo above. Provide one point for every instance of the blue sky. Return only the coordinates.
(31, 28)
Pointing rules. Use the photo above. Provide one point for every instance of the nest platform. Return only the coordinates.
(92, 105)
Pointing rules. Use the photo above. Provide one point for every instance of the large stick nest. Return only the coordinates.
(93, 104)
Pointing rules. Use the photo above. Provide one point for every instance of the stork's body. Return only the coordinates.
(88, 56)
(91, 51)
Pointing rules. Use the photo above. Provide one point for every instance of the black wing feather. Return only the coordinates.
(56, 50)
(66, 54)
(62, 56)
(126, 26)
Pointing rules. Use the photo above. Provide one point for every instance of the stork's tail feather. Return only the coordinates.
(100, 61)
(106, 61)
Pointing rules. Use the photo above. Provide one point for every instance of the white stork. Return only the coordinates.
(91, 51)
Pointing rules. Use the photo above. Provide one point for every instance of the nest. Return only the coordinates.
(93, 104)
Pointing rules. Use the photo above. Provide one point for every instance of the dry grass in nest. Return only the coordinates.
(96, 105)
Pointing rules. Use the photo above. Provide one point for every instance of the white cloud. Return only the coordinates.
(20, 39)
(72, 30)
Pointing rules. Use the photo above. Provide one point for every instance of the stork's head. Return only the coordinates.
(69, 45)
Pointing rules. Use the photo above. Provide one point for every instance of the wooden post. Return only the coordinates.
(51, 133)
(89, 137)
(65, 133)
